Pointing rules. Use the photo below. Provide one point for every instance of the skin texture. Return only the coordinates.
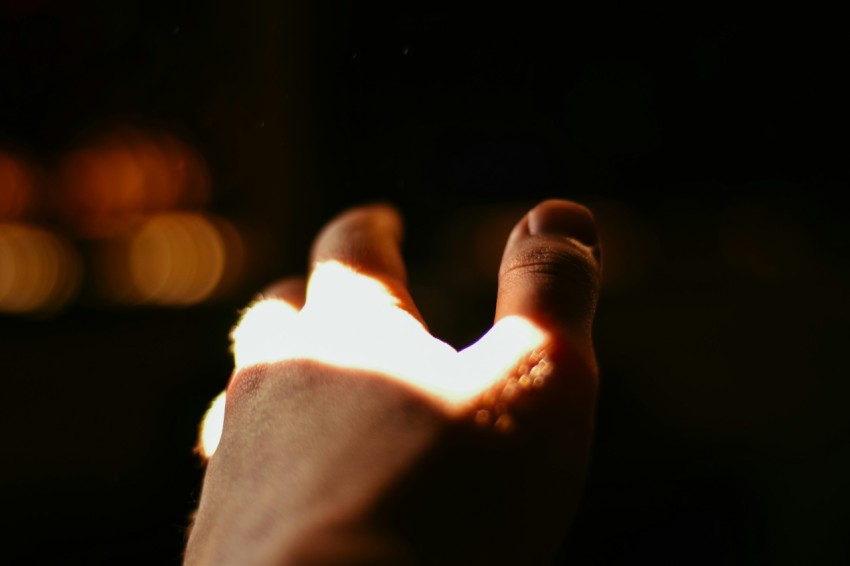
(323, 465)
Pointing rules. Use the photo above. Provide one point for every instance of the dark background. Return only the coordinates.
(710, 143)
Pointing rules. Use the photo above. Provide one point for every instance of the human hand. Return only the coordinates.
(352, 436)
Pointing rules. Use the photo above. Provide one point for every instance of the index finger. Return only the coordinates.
(366, 240)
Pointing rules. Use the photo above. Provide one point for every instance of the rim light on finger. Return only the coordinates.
(211, 426)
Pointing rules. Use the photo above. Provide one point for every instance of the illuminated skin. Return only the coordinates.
(351, 436)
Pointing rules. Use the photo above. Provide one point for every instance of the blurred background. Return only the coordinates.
(161, 162)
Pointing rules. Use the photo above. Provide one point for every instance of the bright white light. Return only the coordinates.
(351, 320)
(212, 425)
(265, 330)
(495, 354)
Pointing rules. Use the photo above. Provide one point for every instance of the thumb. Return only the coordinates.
(550, 270)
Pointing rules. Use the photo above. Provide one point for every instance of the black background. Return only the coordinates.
(710, 142)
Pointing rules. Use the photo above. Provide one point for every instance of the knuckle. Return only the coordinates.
(247, 382)
(560, 280)
(559, 261)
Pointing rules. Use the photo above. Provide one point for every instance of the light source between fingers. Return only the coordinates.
(353, 321)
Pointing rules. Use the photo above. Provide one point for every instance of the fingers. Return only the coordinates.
(367, 240)
(292, 290)
(264, 329)
(550, 269)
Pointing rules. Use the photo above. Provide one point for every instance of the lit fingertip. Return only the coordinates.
(356, 321)
(212, 424)
(261, 334)
(334, 286)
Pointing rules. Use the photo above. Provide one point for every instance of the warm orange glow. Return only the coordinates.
(353, 321)
(17, 191)
(108, 186)
(39, 271)
(176, 259)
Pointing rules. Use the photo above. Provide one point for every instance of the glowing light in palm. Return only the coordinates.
(353, 321)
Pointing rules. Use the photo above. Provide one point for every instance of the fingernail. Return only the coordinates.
(563, 218)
